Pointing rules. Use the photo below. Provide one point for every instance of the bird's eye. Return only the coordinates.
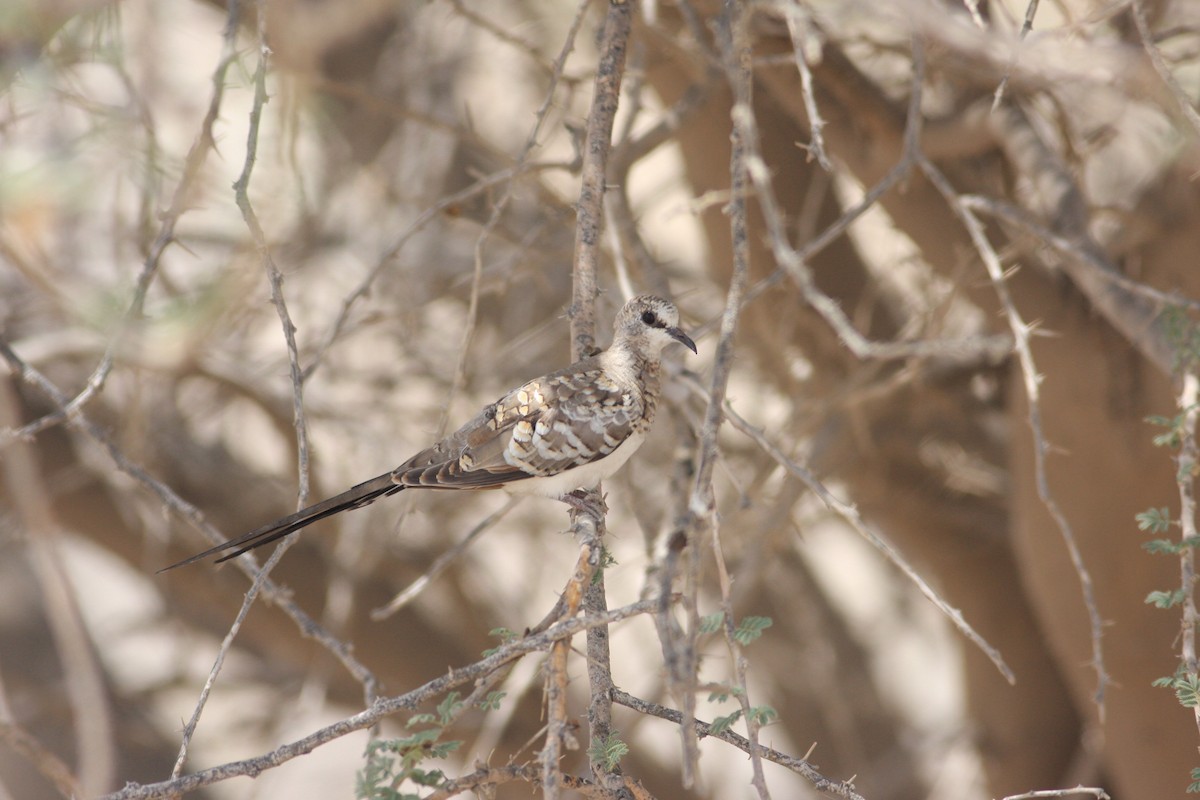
(649, 318)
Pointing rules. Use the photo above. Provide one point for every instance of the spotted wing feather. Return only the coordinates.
(548, 425)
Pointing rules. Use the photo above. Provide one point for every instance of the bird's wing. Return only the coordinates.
(549, 425)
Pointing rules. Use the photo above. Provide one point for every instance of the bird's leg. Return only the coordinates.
(582, 500)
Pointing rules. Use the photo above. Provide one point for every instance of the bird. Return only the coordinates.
(555, 436)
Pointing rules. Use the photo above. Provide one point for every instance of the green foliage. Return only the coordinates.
(505, 635)
(1173, 435)
(751, 628)
(1194, 786)
(608, 751)
(1187, 689)
(607, 559)
(492, 701)
(1154, 520)
(722, 724)
(1171, 547)
(1183, 335)
(723, 693)
(389, 763)
(763, 715)
(1165, 599)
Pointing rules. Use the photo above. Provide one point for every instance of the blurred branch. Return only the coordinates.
(498, 208)
(431, 212)
(241, 189)
(1026, 26)
(733, 42)
(1092, 257)
(184, 192)
(48, 765)
(83, 674)
(1160, 66)
(440, 564)
(1099, 794)
(797, 15)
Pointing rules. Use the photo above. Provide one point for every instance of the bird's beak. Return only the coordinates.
(682, 338)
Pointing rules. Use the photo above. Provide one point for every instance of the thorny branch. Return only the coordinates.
(704, 729)
(381, 708)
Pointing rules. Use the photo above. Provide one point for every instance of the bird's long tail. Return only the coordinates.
(356, 497)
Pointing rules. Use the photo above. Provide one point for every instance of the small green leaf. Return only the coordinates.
(763, 715)
(1155, 520)
(1163, 683)
(449, 708)
(492, 701)
(711, 623)
(1161, 547)
(505, 635)
(1165, 599)
(751, 628)
(722, 724)
(1187, 689)
(607, 559)
(1170, 439)
(723, 692)
(432, 778)
(609, 751)
(443, 749)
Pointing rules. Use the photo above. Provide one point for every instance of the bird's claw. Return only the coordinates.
(586, 502)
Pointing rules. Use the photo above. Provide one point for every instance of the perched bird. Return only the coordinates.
(553, 436)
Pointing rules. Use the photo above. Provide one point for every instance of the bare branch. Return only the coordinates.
(1021, 333)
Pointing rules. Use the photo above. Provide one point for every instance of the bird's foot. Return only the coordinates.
(586, 502)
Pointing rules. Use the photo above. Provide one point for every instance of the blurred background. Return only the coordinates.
(415, 179)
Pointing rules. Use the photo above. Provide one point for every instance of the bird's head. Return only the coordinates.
(652, 323)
